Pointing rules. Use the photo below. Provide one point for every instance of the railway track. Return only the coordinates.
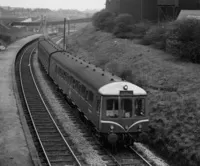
(128, 156)
(54, 150)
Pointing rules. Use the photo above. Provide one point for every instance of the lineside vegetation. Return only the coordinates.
(173, 88)
(181, 38)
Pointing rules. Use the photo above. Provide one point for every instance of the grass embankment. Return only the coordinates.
(173, 88)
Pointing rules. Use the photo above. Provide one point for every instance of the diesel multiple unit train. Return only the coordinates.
(115, 108)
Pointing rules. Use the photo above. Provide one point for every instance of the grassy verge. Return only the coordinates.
(172, 86)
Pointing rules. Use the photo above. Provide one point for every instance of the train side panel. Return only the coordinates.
(45, 49)
(43, 56)
(85, 106)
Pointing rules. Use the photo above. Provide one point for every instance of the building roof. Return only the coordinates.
(185, 14)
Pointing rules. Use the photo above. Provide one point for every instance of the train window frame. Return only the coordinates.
(90, 97)
(77, 85)
(71, 81)
(79, 88)
(98, 105)
(144, 106)
(116, 112)
(74, 83)
(86, 95)
(127, 114)
(83, 92)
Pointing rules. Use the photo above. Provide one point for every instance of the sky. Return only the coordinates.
(56, 4)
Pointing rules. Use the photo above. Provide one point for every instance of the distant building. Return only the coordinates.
(193, 14)
(152, 10)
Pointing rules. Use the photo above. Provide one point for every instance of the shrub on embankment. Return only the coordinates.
(184, 40)
(121, 25)
(181, 38)
(5, 39)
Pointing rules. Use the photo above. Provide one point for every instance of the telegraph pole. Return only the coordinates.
(64, 33)
(68, 23)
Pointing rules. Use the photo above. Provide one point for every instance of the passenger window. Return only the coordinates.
(83, 89)
(98, 105)
(139, 107)
(112, 108)
(126, 107)
(90, 96)
(86, 95)
(77, 86)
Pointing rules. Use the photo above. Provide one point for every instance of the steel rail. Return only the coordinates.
(132, 149)
(140, 156)
(30, 67)
(28, 106)
(29, 110)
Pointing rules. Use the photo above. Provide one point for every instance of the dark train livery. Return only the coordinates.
(114, 107)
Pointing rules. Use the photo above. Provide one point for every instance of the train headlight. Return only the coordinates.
(139, 127)
(125, 87)
(111, 127)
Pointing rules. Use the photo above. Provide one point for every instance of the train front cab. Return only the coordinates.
(122, 115)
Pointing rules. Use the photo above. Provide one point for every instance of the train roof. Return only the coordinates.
(98, 79)
(115, 88)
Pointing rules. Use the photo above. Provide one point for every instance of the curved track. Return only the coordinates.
(56, 150)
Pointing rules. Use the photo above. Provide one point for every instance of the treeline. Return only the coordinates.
(28, 12)
(181, 38)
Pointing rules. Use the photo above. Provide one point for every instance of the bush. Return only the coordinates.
(120, 70)
(185, 40)
(6, 39)
(157, 36)
(141, 28)
(103, 20)
(175, 126)
(123, 26)
(123, 31)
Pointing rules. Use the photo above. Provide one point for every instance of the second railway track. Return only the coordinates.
(56, 151)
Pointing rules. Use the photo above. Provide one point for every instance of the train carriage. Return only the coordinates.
(116, 108)
(46, 49)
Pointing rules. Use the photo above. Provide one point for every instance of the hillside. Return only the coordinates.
(173, 88)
